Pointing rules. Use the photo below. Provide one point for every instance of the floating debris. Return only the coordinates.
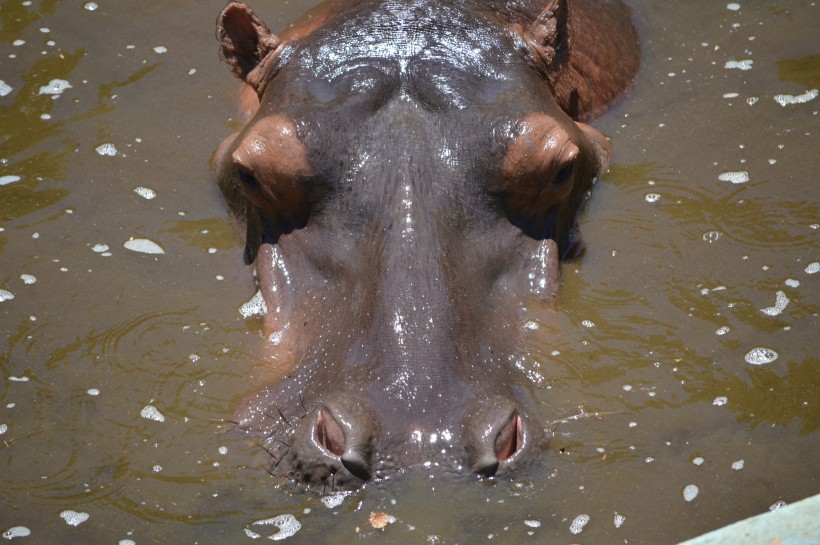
(578, 524)
(739, 177)
(690, 492)
(10, 178)
(149, 412)
(785, 100)
(73, 518)
(143, 245)
(381, 520)
(781, 301)
(760, 356)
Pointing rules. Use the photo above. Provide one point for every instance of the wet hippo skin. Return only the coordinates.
(409, 175)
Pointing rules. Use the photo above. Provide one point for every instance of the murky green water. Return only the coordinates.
(641, 371)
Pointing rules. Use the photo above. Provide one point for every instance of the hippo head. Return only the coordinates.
(409, 183)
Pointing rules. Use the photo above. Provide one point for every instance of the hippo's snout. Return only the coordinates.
(341, 443)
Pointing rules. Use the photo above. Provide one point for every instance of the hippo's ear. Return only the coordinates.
(549, 37)
(248, 46)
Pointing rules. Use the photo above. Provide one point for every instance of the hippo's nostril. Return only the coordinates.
(509, 438)
(356, 464)
(329, 433)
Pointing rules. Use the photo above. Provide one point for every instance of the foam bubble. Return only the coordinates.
(331, 502)
(16, 531)
(813, 268)
(28, 278)
(533, 523)
(5, 88)
(720, 401)
(761, 356)
(149, 412)
(722, 330)
(55, 87)
(91, 6)
(652, 197)
(739, 177)
(6, 295)
(792, 283)
(287, 524)
(578, 524)
(10, 178)
(144, 246)
(145, 193)
(100, 248)
(618, 520)
(108, 149)
(785, 100)
(93, 392)
(779, 504)
(745, 64)
(733, 6)
(690, 492)
(73, 518)
(781, 301)
(254, 307)
(160, 49)
(738, 465)
(4, 428)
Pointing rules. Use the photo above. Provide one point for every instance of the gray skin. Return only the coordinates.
(409, 174)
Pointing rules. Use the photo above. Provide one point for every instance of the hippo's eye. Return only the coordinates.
(247, 179)
(565, 174)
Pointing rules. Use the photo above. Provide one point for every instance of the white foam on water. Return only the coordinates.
(73, 518)
(149, 412)
(223, 450)
(145, 192)
(18, 379)
(813, 268)
(720, 401)
(55, 87)
(160, 49)
(731, 95)
(287, 524)
(697, 460)
(652, 197)
(28, 278)
(254, 307)
(578, 524)
(4, 428)
(91, 6)
(792, 283)
(251, 534)
(333, 501)
(93, 392)
(779, 504)
(785, 100)
(108, 149)
(587, 323)
(733, 6)
(739, 177)
(10, 178)
(143, 245)
(738, 465)
(6, 295)
(781, 301)
(618, 520)
(760, 356)
(533, 523)
(722, 330)
(745, 64)
(690, 492)
(16, 531)
(5, 88)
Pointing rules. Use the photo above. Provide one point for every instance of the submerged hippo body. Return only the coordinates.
(409, 173)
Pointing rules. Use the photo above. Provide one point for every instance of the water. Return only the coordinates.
(675, 286)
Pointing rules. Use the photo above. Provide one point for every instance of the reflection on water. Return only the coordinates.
(640, 372)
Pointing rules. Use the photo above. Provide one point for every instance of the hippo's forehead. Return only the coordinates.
(430, 52)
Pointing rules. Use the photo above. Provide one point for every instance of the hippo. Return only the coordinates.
(409, 175)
